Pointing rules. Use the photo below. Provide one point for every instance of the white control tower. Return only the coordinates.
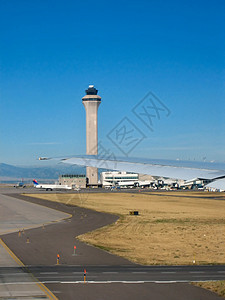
(91, 102)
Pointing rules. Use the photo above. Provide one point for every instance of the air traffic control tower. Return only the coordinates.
(91, 102)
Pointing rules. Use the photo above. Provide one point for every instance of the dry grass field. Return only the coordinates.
(214, 286)
(172, 227)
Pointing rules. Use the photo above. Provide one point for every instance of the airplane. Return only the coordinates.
(77, 189)
(20, 185)
(145, 183)
(51, 187)
(126, 184)
(131, 184)
(185, 170)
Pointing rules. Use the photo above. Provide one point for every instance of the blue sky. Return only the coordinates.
(50, 51)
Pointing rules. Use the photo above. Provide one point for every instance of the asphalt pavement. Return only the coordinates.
(130, 291)
(108, 276)
(124, 274)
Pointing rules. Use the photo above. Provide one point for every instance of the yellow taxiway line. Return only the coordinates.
(47, 292)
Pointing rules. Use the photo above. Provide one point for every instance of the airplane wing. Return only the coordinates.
(217, 184)
(161, 168)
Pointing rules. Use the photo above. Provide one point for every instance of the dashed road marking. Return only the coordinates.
(49, 273)
(13, 274)
(166, 281)
(196, 272)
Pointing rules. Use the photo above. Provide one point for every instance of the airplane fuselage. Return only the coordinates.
(53, 187)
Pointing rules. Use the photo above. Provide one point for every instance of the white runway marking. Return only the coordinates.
(166, 281)
(104, 282)
(196, 272)
(49, 273)
(19, 283)
(207, 276)
(13, 274)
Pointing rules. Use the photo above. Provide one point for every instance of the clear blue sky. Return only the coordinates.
(50, 51)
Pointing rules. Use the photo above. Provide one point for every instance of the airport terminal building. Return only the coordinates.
(109, 179)
(74, 181)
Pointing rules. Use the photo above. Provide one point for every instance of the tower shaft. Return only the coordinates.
(91, 127)
(91, 103)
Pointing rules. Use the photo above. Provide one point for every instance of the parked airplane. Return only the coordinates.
(77, 189)
(20, 185)
(162, 168)
(126, 183)
(145, 183)
(51, 187)
(134, 183)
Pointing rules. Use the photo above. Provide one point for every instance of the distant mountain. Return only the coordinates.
(51, 172)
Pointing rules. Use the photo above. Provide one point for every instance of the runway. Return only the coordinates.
(67, 282)
(108, 276)
(120, 282)
(124, 274)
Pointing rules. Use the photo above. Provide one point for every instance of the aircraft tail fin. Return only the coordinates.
(35, 182)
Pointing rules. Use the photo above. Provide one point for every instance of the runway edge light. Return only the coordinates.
(57, 260)
(85, 275)
(74, 250)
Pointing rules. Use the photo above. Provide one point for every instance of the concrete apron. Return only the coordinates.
(17, 215)
(14, 282)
